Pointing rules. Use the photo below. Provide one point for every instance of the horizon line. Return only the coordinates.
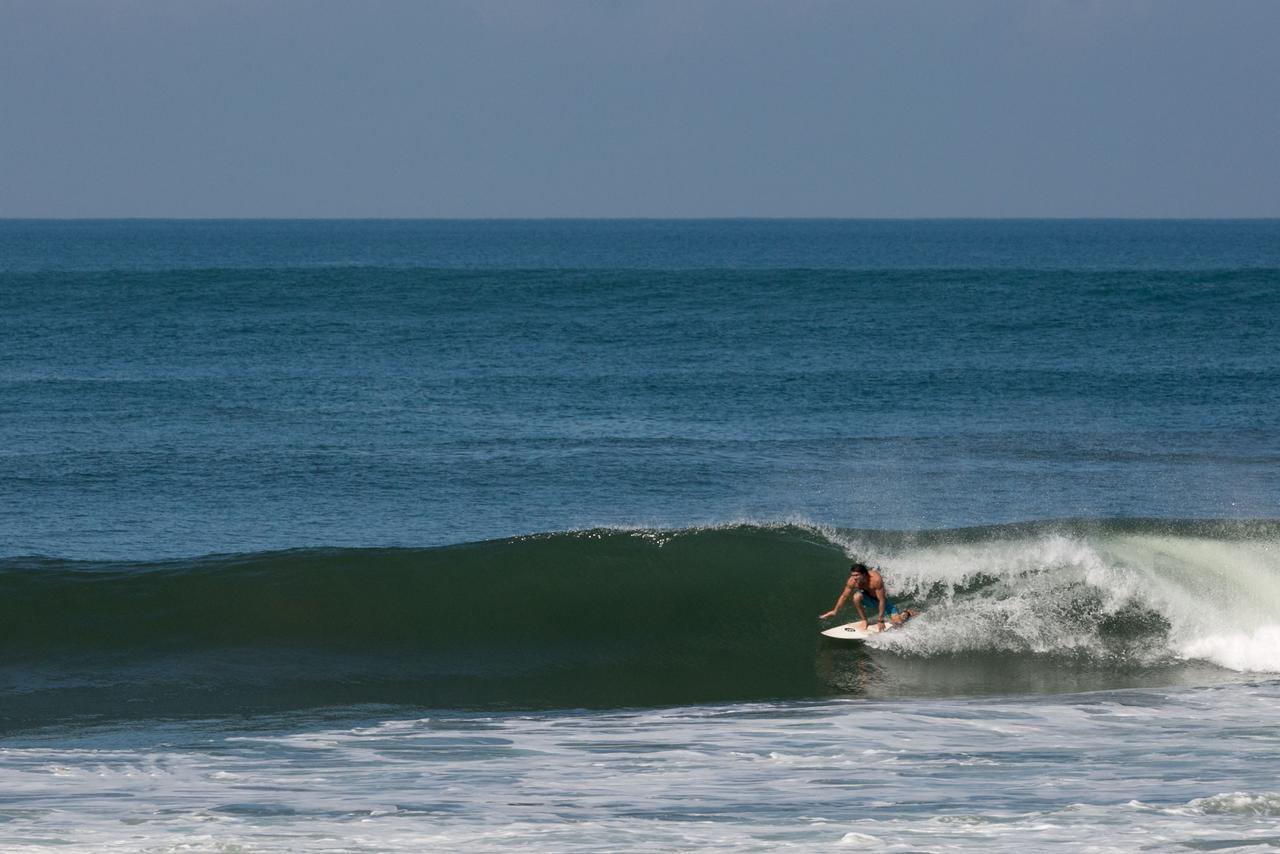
(558, 218)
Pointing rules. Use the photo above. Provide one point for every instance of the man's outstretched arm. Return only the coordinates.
(844, 594)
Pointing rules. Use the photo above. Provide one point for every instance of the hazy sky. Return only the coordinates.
(679, 108)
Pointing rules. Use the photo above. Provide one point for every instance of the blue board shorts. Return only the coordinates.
(871, 605)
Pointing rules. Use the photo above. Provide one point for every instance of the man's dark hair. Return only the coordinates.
(860, 567)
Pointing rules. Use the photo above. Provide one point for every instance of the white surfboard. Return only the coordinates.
(854, 632)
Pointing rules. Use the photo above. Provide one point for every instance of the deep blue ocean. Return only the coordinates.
(416, 535)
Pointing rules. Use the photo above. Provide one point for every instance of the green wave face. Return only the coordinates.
(621, 618)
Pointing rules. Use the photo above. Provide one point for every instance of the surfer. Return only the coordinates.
(866, 585)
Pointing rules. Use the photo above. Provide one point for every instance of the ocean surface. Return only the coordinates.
(372, 536)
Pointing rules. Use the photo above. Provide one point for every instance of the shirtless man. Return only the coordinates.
(866, 584)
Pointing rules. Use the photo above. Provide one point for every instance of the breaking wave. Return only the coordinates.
(636, 617)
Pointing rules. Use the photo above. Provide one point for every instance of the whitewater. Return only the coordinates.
(1104, 772)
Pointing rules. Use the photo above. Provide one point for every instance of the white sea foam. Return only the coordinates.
(1264, 804)
(1064, 592)
(1111, 772)
(1255, 651)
